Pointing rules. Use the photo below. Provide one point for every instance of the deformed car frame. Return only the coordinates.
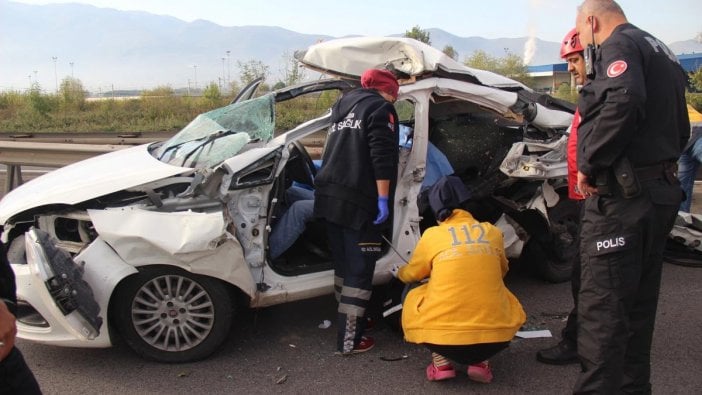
(172, 236)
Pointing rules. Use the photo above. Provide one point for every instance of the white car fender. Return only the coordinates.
(196, 242)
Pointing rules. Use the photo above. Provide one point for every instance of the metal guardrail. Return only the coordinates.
(56, 150)
(115, 138)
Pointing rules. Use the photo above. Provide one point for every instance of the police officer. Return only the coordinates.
(353, 189)
(634, 125)
(566, 351)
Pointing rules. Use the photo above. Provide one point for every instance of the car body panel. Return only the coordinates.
(102, 269)
(196, 242)
(352, 56)
(88, 179)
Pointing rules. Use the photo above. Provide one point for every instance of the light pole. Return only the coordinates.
(224, 81)
(229, 66)
(55, 73)
(195, 74)
(71, 63)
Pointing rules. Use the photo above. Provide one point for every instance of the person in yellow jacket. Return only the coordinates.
(463, 312)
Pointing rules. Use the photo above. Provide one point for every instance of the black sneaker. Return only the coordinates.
(563, 353)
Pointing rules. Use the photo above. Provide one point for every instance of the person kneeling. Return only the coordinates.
(463, 312)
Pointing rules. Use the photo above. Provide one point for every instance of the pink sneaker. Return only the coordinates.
(435, 373)
(480, 372)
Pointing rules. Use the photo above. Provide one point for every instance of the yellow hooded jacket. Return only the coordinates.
(465, 300)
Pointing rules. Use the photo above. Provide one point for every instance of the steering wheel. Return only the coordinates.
(304, 171)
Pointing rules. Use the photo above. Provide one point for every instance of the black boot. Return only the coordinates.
(563, 353)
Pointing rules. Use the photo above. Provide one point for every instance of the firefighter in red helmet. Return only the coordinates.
(565, 351)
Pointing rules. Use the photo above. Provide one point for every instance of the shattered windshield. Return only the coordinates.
(220, 134)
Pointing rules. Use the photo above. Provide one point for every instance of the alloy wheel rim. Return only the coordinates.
(173, 313)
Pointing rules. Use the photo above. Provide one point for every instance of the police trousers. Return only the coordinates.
(569, 334)
(621, 248)
(355, 253)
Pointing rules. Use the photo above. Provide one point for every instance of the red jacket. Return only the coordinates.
(572, 158)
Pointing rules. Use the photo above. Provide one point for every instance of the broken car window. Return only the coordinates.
(220, 134)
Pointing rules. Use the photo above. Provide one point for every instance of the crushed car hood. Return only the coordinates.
(88, 179)
(350, 57)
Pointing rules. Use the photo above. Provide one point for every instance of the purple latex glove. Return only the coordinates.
(383, 212)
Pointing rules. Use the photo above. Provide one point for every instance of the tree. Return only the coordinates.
(418, 34)
(696, 79)
(481, 60)
(292, 72)
(450, 52)
(159, 91)
(212, 92)
(72, 92)
(249, 71)
(41, 104)
(511, 65)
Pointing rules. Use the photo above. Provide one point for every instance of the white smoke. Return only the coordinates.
(530, 46)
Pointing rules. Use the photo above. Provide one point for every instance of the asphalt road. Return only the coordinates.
(281, 349)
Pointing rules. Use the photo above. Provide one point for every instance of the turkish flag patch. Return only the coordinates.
(616, 68)
(391, 121)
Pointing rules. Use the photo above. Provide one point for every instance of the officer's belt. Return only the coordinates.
(657, 171)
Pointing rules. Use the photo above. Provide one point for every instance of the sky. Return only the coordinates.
(550, 20)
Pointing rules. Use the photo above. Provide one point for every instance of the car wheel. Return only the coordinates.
(170, 315)
(679, 254)
(552, 255)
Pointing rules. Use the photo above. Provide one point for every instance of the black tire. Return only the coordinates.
(163, 329)
(681, 255)
(552, 255)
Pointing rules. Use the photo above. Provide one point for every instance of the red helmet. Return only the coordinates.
(570, 44)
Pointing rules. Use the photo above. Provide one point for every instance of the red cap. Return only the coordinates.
(570, 44)
(381, 80)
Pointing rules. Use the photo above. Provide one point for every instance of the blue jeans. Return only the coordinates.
(292, 223)
(688, 164)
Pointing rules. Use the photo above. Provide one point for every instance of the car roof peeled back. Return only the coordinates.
(350, 57)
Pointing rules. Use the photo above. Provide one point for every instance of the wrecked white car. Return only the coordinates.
(160, 243)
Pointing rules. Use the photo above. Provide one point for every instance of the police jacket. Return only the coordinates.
(635, 106)
(7, 282)
(465, 300)
(362, 147)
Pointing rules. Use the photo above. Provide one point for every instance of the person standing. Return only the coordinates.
(566, 351)
(463, 312)
(15, 375)
(690, 159)
(634, 125)
(353, 189)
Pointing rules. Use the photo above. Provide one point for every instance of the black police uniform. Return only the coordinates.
(362, 147)
(15, 375)
(634, 125)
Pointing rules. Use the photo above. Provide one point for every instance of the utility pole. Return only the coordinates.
(55, 73)
(229, 66)
(195, 74)
(224, 81)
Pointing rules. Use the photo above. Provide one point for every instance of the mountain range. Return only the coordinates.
(107, 49)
